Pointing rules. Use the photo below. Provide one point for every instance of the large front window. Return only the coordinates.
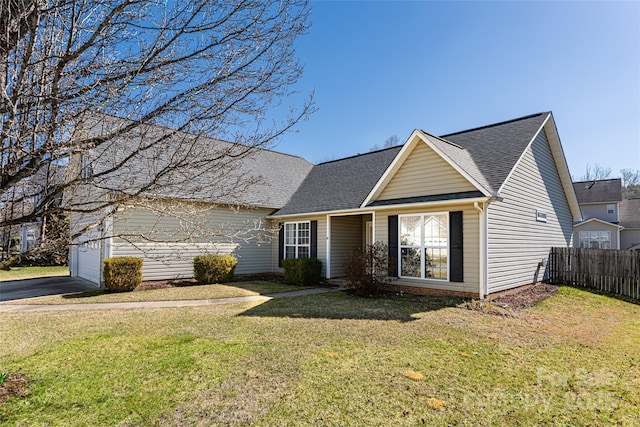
(424, 246)
(296, 239)
(595, 239)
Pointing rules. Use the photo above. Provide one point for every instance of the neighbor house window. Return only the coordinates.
(611, 209)
(595, 239)
(297, 239)
(86, 168)
(424, 246)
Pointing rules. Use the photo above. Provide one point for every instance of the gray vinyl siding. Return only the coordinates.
(425, 173)
(175, 260)
(322, 241)
(629, 237)
(471, 247)
(516, 241)
(600, 211)
(346, 235)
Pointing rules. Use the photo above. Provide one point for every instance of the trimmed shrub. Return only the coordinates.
(214, 268)
(122, 274)
(302, 271)
(367, 269)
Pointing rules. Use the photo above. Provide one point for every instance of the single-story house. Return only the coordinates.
(469, 213)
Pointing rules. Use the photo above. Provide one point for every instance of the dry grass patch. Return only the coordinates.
(413, 375)
(435, 403)
(20, 273)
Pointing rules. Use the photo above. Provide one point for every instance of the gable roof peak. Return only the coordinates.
(441, 139)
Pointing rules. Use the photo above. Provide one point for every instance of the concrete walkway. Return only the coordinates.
(12, 308)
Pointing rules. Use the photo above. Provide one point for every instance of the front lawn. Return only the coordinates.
(328, 359)
(18, 273)
(179, 293)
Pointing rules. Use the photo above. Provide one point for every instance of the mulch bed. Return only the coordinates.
(527, 296)
(176, 283)
(14, 386)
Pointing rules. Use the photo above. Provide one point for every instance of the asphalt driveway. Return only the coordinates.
(30, 288)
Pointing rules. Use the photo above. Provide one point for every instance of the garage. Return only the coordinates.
(85, 262)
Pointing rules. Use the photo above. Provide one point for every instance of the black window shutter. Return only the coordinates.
(313, 250)
(393, 245)
(455, 247)
(280, 243)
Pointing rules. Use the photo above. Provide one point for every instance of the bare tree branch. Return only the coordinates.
(596, 172)
(142, 94)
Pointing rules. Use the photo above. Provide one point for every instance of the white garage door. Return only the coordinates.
(88, 259)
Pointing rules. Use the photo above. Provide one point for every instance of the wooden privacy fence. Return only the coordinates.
(607, 270)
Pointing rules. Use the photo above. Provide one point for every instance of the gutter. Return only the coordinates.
(368, 209)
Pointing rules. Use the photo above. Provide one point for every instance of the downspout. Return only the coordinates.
(101, 247)
(483, 251)
(484, 243)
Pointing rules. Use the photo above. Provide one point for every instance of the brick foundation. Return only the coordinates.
(418, 290)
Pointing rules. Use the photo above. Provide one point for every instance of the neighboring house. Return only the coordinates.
(26, 198)
(29, 235)
(630, 220)
(600, 205)
(469, 213)
(609, 222)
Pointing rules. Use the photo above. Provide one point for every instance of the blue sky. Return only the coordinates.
(385, 68)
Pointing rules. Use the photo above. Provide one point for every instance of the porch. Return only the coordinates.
(344, 234)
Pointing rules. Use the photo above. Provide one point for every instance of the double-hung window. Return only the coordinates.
(595, 239)
(297, 239)
(424, 246)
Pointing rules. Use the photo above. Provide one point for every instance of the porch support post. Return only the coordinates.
(328, 266)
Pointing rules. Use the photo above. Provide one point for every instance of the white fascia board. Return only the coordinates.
(524, 152)
(392, 168)
(372, 209)
(610, 202)
(563, 167)
(560, 161)
(415, 138)
(600, 221)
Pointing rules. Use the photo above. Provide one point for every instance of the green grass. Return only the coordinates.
(328, 359)
(236, 289)
(18, 273)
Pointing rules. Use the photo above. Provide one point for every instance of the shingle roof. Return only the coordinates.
(495, 149)
(630, 213)
(197, 167)
(340, 184)
(598, 191)
(487, 154)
